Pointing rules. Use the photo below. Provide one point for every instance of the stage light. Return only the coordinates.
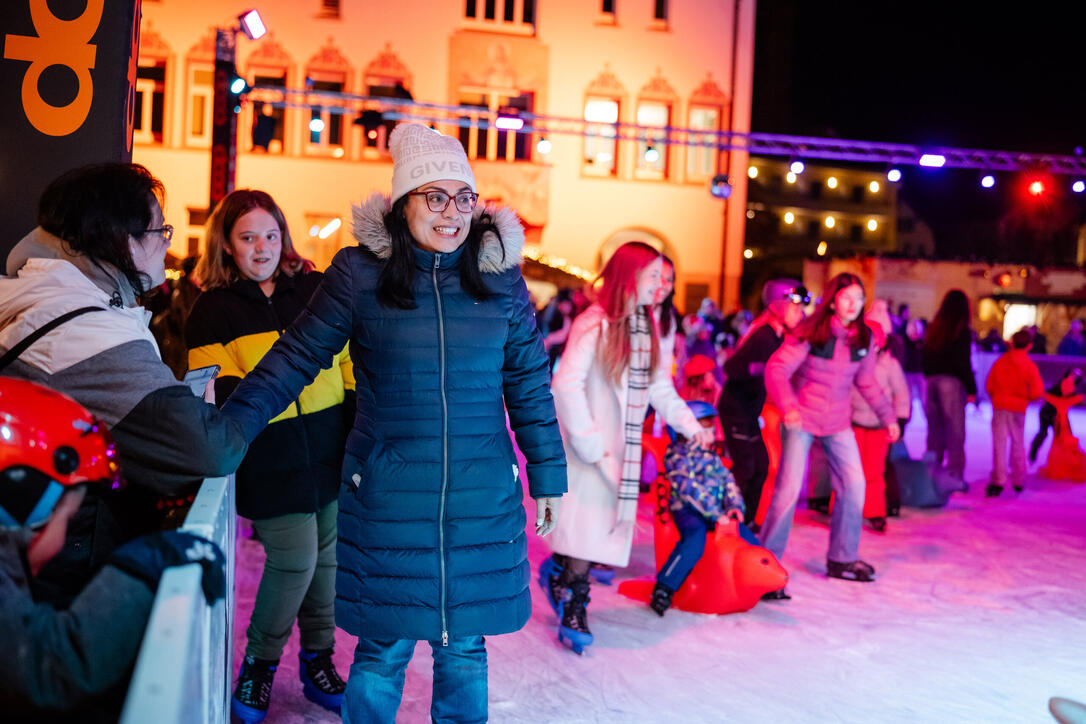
(830, 222)
(752, 172)
(1004, 280)
(872, 225)
(988, 181)
(932, 160)
(822, 247)
(508, 122)
(790, 177)
(789, 217)
(797, 167)
(831, 182)
(251, 24)
(652, 155)
(1036, 188)
(1078, 186)
(721, 186)
(874, 187)
(893, 175)
(543, 146)
(238, 85)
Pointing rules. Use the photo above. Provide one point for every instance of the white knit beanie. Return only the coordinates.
(421, 155)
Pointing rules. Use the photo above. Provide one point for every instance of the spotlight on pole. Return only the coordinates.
(251, 24)
(509, 120)
(544, 146)
(797, 167)
(1078, 186)
(932, 160)
(1036, 188)
(893, 175)
(652, 154)
(988, 181)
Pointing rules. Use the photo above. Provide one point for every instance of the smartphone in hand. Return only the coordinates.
(198, 378)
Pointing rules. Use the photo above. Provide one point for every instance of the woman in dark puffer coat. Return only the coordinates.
(431, 527)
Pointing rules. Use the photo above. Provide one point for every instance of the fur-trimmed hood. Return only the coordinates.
(370, 232)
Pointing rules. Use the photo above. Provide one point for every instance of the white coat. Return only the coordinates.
(591, 413)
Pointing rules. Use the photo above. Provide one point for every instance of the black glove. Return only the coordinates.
(148, 557)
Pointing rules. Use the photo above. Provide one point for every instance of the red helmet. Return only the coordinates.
(47, 442)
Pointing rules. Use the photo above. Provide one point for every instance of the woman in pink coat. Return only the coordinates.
(809, 379)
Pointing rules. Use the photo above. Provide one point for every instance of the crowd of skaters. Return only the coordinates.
(366, 411)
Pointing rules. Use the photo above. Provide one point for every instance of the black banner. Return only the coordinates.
(67, 95)
(224, 119)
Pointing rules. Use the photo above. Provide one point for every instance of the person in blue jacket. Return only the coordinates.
(444, 344)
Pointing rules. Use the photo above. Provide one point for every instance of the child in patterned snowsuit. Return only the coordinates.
(702, 492)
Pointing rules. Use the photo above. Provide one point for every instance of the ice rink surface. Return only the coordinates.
(979, 615)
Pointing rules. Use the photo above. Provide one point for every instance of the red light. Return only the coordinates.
(1004, 279)
(1036, 188)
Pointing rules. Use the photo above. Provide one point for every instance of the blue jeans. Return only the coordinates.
(847, 479)
(375, 685)
(687, 552)
(945, 410)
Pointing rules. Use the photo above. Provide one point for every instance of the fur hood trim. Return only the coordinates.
(370, 233)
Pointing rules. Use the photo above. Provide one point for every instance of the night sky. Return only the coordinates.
(958, 74)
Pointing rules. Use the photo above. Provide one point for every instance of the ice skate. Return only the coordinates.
(573, 628)
(321, 683)
(993, 490)
(858, 571)
(661, 599)
(253, 692)
(602, 573)
(549, 572)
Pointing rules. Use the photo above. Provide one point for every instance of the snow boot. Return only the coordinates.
(602, 573)
(858, 571)
(573, 628)
(661, 599)
(550, 571)
(320, 681)
(252, 695)
(993, 490)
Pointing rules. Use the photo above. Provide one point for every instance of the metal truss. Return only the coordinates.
(763, 144)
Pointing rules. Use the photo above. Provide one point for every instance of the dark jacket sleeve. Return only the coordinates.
(757, 349)
(962, 363)
(55, 660)
(526, 380)
(172, 438)
(309, 345)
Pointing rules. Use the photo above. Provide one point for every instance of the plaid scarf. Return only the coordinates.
(637, 400)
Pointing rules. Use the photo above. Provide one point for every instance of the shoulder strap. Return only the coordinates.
(12, 354)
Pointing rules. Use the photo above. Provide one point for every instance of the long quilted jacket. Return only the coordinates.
(431, 526)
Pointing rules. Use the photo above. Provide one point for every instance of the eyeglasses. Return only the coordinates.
(166, 231)
(438, 201)
(799, 295)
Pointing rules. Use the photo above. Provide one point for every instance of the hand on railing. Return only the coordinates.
(146, 558)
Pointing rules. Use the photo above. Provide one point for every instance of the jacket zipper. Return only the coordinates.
(444, 450)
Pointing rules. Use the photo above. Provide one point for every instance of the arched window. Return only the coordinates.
(199, 91)
(385, 76)
(603, 102)
(708, 109)
(326, 130)
(268, 65)
(655, 106)
(150, 120)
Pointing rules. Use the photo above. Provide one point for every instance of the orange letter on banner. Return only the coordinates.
(59, 42)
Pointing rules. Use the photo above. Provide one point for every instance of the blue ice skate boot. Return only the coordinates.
(573, 628)
(252, 695)
(602, 573)
(320, 682)
(549, 573)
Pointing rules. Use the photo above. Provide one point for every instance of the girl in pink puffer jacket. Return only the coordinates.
(809, 379)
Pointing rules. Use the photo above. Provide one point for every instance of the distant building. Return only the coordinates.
(657, 64)
(822, 211)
